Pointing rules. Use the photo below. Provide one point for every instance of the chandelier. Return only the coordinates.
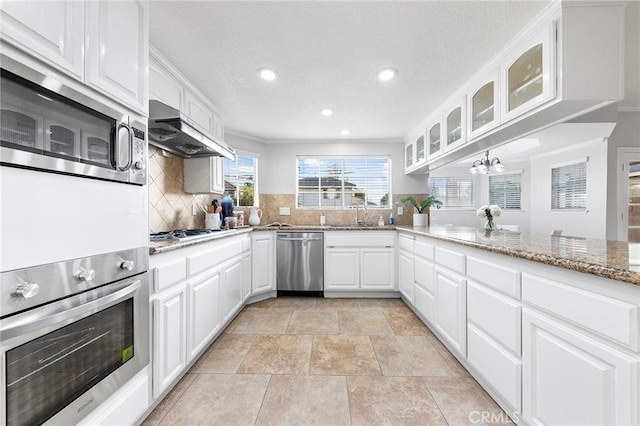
(484, 165)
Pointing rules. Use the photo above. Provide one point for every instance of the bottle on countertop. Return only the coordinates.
(392, 220)
(323, 219)
(381, 221)
(227, 207)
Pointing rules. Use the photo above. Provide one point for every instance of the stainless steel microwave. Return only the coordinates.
(50, 127)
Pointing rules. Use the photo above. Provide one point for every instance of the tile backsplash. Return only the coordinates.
(171, 208)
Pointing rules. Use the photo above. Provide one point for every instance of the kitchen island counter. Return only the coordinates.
(604, 258)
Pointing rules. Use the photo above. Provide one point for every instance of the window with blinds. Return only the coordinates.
(452, 191)
(569, 187)
(339, 183)
(506, 191)
(241, 180)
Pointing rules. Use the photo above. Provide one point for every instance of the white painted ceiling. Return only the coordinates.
(327, 54)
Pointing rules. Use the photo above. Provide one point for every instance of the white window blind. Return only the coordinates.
(241, 180)
(569, 187)
(452, 191)
(325, 182)
(506, 191)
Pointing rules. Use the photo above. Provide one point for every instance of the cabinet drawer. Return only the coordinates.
(497, 277)
(450, 259)
(202, 261)
(499, 368)
(359, 239)
(612, 318)
(424, 249)
(246, 244)
(406, 242)
(496, 315)
(166, 275)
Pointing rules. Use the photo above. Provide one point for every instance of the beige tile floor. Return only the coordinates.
(314, 361)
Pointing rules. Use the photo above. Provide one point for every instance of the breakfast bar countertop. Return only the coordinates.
(604, 258)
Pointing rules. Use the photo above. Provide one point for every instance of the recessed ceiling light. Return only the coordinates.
(387, 74)
(345, 132)
(327, 112)
(267, 74)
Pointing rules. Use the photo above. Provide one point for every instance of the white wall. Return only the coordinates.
(591, 224)
(626, 134)
(280, 174)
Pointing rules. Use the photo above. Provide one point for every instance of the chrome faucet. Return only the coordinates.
(362, 222)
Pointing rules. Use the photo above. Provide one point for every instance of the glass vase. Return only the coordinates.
(490, 225)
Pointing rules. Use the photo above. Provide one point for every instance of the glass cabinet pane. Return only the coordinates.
(454, 126)
(409, 156)
(434, 139)
(420, 149)
(525, 77)
(482, 106)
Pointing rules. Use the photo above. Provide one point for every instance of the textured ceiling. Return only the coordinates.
(327, 54)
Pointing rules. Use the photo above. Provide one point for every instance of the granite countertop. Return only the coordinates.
(156, 247)
(608, 259)
(295, 228)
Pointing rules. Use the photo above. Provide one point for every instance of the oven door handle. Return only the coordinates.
(118, 147)
(69, 310)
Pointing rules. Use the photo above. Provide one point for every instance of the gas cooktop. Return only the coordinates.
(182, 234)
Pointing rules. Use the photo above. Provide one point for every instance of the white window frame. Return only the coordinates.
(474, 189)
(340, 195)
(579, 210)
(256, 157)
(504, 174)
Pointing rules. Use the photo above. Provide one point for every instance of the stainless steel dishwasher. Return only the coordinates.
(300, 263)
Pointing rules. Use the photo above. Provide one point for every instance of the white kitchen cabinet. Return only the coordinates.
(218, 127)
(198, 111)
(528, 72)
(118, 50)
(204, 310)
(263, 269)
(342, 269)
(377, 269)
(451, 312)
(359, 261)
(483, 104)
(424, 289)
(572, 379)
(406, 280)
(246, 275)
(454, 122)
(204, 175)
(52, 31)
(434, 137)
(409, 155)
(169, 337)
(163, 86)
(231, 295)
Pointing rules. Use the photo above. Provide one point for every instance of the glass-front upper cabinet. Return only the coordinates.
(408, 156)
(483, 105)
(435, 140)
(420, 149)
(529, 73)
(454, 126)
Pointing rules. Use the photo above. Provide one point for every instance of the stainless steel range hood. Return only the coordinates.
(173, 131)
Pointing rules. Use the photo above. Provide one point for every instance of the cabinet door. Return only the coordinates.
(246, 276)
(529, 73)
(421, 152)
(218, 128)
(198, 111)
(424, 273)
(203, 175)
(483, 105)
(170, 338)
(118, 50)
(434, 136)
(341, 269)
(425, 303)
(262, 262)
(452, 308)
(52, 30)
(408, 155)
(406, 278)
(232, 288)
(377, 269)
(572, 379)
(204, 312)
(454, 126)
(163, 87)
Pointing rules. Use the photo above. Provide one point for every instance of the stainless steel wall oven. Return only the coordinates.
(71, 334)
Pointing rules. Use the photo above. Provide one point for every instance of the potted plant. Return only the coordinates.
(420, 219)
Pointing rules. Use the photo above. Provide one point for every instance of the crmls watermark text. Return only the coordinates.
(85, 405)
(492, 417)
